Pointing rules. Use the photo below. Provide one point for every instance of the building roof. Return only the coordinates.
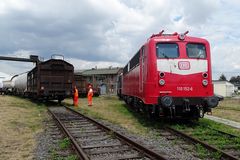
(3, 76)
(99, 71)
(221, 82)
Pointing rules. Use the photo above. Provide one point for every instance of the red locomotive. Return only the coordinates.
(170, 76)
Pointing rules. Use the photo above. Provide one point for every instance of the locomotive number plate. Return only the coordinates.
(184, 88)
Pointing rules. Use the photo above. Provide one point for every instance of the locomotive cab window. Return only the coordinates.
(167, 50)
(196, 50)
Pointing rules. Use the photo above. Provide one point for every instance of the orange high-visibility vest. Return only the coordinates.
(75, 97)
(75, 93)
(90, 92)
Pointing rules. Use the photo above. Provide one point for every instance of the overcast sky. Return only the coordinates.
(107, 33)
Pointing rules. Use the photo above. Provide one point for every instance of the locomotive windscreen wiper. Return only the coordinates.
(165, 56)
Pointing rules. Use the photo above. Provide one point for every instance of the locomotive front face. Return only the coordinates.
(170, 76)
(184, 72)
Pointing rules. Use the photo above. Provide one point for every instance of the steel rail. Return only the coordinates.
(81, 153)
(194, 140)
(225, 133)
(149, 153)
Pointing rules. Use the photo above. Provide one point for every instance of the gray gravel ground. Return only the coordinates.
(176, 149)
(48, 143)
(172, 149)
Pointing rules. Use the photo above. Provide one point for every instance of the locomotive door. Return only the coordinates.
(141, 74)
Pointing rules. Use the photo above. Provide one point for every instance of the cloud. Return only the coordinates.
(111, 31)
(81, 64)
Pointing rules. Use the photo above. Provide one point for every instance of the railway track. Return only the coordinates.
(94, 141)
(231, 151)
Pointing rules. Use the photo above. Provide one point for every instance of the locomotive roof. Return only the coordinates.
(176, 37)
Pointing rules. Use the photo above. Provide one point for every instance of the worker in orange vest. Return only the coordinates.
(75, 97)
(90, 95)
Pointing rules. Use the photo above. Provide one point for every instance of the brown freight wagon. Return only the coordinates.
(51, 80)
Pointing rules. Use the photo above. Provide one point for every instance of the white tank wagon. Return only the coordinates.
(8, 85)
(3, 76)
(20, 83)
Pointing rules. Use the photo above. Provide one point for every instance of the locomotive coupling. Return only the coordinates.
(212, 102)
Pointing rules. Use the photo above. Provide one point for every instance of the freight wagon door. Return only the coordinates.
(57, 78)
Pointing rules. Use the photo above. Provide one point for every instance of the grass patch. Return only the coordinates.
(202, 152)
(230, 104)
(55, 156)
(20, 121)
(62, 146)
(111, 109)
(203, 130)
(57, 153)
(65, 143)
(229, 108)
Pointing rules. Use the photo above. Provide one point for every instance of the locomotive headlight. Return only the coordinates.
(205, 82)
(161, 82)
(161, 74)
(181, 36)
(205, 75)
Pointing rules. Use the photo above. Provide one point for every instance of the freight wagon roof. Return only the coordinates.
(50, 60)
(97, 71)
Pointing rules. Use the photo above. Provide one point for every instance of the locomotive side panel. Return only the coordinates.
(131, 77)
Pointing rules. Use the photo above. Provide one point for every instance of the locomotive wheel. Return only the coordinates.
(60, 100)
(152, 112)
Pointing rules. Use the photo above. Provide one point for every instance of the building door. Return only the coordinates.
(103, 89)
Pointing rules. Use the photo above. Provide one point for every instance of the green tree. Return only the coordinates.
(222, 78)
(235, 80)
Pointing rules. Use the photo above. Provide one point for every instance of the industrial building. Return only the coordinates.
(103, 78)
(223, 88)
(3, 76)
